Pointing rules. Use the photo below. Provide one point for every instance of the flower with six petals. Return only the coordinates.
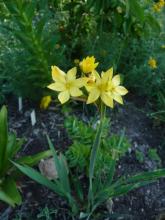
(66, 84)
(106, 87)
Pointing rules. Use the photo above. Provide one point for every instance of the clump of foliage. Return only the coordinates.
(153, 155)
(28, 25)
(9, 147)
(82, 135)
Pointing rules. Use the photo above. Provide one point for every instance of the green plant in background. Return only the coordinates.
(47, 213)
(82, 135)
(139, 156)
(9, 147)
(153, 155)
(29, 25)
(102, 90)
(119, 22)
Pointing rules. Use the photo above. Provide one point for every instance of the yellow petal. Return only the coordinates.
(96, 64)
(116, 80)
(117, 98)
(90, 86)
(107, 99)
(57, 86)
(58, 75)
(71, 74)
(96, 74)
(81, 82)
(93, 95)
(107, 76)
(64, 96)
(75, 92)
(121, 90)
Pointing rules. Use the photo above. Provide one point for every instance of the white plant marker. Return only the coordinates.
(20, 104)
(33, 117)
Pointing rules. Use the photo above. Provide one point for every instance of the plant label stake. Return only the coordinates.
(20, 105)
(33, 117)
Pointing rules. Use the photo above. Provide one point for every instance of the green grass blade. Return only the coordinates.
(34, 159)
(61, 168)
(10, 188)
(36, 176)
(3, 135)
(5, 198)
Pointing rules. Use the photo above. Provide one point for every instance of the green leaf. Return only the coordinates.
(126, 184)
(30, 10)
(3, 135)
(40, 25)
(5, 198)
(9, 189)
(36, 176)
(154, 24)
(34, 159)
(60, 164)
(136, 9)
(147, 176)
(10, 151)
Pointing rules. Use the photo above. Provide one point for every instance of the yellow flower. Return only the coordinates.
(45, 102)
(107, 88)
(158, 6)
(66, 83)
(161, 3)
(88, 64)
(152, 63)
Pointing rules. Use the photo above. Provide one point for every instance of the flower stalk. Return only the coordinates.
(95, 147)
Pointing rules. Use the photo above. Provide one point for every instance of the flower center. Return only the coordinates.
(68, 85)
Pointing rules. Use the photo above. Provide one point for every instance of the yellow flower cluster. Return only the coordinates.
(158, 5)
(152, 63)
(104, 86)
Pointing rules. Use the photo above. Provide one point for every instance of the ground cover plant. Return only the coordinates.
(82, 86)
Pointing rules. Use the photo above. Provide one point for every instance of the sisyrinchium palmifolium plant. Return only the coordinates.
(102, 90)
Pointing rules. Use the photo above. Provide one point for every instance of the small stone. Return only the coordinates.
(29, 194)
(47, 168)
(109, 205)
(148, 191)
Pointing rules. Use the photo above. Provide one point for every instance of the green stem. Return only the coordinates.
(93, 155)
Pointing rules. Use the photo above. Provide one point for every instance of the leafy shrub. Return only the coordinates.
(30, 25)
